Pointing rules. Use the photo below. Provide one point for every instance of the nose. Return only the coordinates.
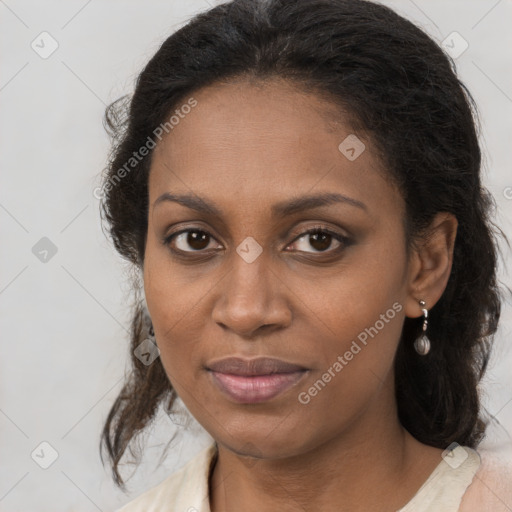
(252, 299)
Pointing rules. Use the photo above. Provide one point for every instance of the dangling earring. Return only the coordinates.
(422, 344)
(151, 333)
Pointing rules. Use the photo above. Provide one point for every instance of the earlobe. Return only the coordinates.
(431, 263)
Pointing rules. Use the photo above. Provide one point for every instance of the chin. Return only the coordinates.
(261, 440)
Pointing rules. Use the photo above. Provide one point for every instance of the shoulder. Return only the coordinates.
(491, 488)
(187, 489)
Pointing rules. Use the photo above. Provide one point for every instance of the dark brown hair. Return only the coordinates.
(403, 92)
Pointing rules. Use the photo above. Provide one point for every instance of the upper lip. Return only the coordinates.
(252, 367)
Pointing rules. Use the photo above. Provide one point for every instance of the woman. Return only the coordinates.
(298, 184)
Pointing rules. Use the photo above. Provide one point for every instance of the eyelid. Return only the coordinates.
(297, 233)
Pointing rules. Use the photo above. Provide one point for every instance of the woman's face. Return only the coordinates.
(247, 172)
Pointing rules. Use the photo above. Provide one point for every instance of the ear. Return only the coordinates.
(430, 263)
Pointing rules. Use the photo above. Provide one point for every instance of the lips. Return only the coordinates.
(254, 380)
(253, 367)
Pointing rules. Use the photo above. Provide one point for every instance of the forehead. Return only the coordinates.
(247, 114)
(264, 141)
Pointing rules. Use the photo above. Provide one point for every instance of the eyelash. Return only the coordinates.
(343, 240)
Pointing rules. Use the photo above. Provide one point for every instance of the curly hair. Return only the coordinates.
(402, 90)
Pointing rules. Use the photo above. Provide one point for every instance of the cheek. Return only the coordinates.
(359, 313)
(356, 356)
(170, 304)
(172, 291)
(354, 359)
(357, 297)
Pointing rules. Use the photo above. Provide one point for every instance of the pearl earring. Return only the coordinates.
(422, 344)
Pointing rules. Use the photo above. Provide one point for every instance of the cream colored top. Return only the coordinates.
(187, 489)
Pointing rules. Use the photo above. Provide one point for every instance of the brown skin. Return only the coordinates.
(245, 147)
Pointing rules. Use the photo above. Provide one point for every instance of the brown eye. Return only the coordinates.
(190, 240)
(320, 240)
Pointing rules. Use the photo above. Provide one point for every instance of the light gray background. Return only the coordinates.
(64, 322)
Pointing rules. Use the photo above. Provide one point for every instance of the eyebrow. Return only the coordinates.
(283, 208)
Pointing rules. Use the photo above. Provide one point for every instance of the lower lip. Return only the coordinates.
(257, 388)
